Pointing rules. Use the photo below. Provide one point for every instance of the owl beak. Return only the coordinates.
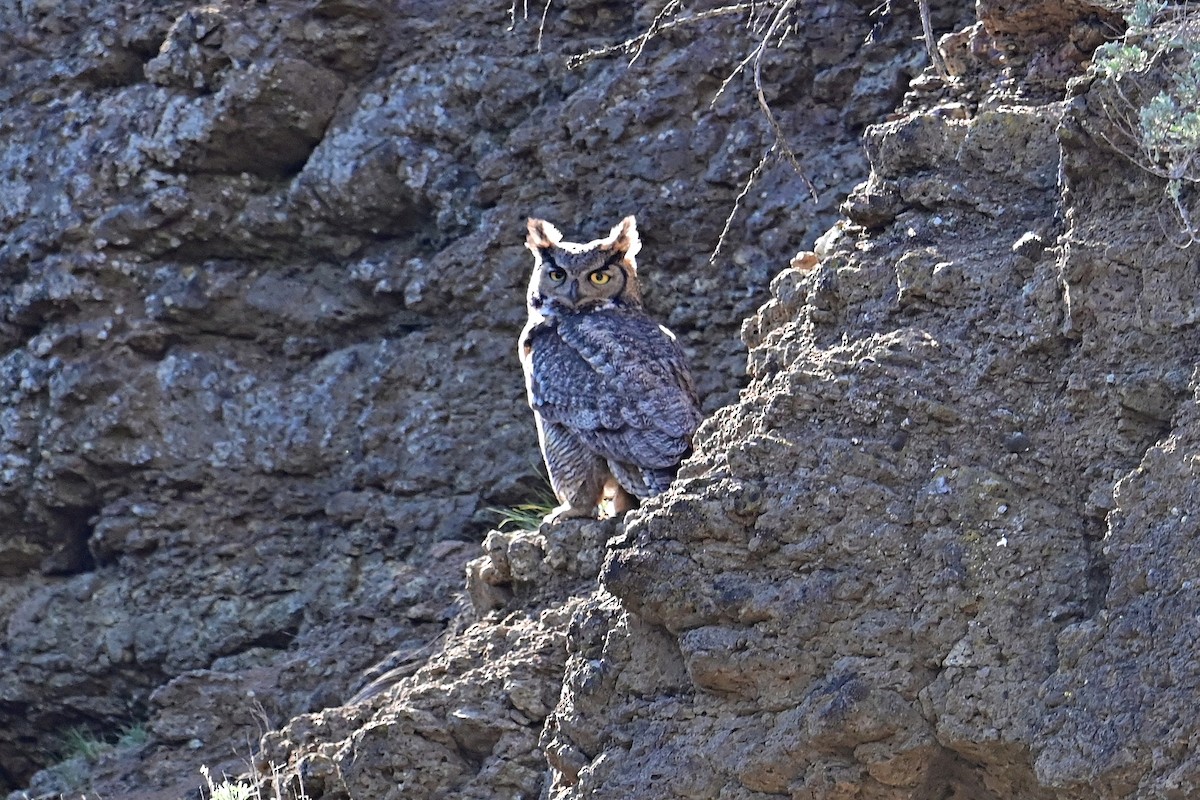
(573, 292)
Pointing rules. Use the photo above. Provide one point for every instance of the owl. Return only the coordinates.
(612, 397)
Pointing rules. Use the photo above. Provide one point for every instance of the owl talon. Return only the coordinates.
(566, 511)
(616, 501)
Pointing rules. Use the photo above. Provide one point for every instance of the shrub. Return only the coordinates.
(1152, 78)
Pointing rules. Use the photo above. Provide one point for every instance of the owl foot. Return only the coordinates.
(568, 511)
(616, 501)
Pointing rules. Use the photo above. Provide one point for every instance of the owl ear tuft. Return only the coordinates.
(541, 235)
(624, 238)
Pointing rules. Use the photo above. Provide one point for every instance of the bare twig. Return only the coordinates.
(935, 55)
(639, 41)
(542, 24)
(769, 21)
(652, 31)
(736, 71)
(512, 14)
(737, 201)
(780, 138)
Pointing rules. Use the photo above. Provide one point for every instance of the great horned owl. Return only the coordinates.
(611, 394)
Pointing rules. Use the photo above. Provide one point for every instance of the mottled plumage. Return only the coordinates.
(611, 393)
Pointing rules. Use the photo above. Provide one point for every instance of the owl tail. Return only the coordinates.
(641, 482)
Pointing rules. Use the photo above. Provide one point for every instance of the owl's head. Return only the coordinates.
(571, 278)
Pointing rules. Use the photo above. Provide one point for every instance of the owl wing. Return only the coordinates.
(619, 382)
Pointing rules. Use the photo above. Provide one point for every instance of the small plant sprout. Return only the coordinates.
(226, 790)
(82, 743)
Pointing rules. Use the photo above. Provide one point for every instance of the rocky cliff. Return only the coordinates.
(262, 277)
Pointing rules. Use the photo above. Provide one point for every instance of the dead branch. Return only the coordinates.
(637, 42)
(935, 55)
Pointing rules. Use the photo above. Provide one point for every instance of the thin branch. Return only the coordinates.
(780, 138)
(631, 44)
(737, 201)
(512, 14)
(935, 55)
(736, 70)
(772, 17)
(542, 25)
(653, 29)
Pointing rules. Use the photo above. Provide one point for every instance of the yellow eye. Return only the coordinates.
(556, 274)
(599, 278)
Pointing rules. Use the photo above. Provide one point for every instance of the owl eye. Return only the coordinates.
(555, 274)
(599, 278)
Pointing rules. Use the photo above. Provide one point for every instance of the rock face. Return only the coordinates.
(943, 545)
(467, 724)
(262, 275)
